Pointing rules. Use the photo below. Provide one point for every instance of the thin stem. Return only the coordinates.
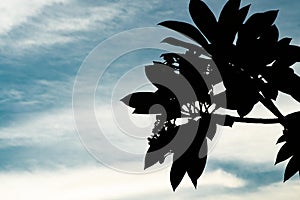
(271, 106)
(228, 120)
(254, 120)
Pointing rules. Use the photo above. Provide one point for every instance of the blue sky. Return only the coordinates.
(42, 46)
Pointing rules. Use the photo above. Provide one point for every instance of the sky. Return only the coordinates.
(48, 147)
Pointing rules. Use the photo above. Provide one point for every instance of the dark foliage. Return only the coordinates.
(255, 65)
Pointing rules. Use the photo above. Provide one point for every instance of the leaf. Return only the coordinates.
(212, 132)
(287, 55)
(293, 119)
(292, 131)
(281, 139)
(196, 169)
(245, 109)
(152, 157)
(255, 26)
(143, 102)
(147, 103)
(197, 165)
(262, 20)
(191, 47)
(160, 144)
(269, 91)
(139, 99)
(232, 6)
(270, 35)
(230, 21)
(290, 83)
(283, 154)
(266, 45)
(178, 171)
(187, 86)
(204, 19)
(284, 42)
(242, 100)
(187, 30)
(229, 25)
(243, 12)
(292, 168)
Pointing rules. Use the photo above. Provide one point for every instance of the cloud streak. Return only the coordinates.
(93, 183)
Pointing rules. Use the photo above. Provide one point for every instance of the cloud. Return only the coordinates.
(16, 12)
(39, 129)
(65, 27)
(276, 191)
(92, 183)
(60, 22)
(254, 142)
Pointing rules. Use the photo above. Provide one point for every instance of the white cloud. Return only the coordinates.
(248, 143)
(16, 12)
(254, 143)
(276, 191)
(101, 15)
(52, 22)
(59, 28)
(39, 129)
(99, 183)
(222, 178)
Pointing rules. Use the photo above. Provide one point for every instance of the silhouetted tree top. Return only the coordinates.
(247, 57)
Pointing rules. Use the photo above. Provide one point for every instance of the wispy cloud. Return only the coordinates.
(17, 12)
(93, 183)
(54, 22)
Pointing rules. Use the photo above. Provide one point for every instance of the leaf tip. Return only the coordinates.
(145, 166)
(194, 183)
(285, 179)
(277, 161)
(174, 187)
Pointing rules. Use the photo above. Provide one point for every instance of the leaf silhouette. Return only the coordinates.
(270, 35)
(197, 164)
(253, 69)
(152, 157)
(281, 139)
(284, 42)
(191, 47)
(292, 168)
(230, 21)
(243, 12)
(255, 26)
(292, 132)
(289, 85)
(283, 154)
(188, 30)
(211, 134)
(139, 98)
(266, 45)
(287, 55)
(242, 100)
(229, 10)
(204, 19)
(159, 145)
(178, 171)
(142, 101)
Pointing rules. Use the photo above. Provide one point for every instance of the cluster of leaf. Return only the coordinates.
(254, 64)
(291, 147)
(185, 142)
(246, 53)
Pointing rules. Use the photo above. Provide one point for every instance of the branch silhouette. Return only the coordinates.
(247, 57)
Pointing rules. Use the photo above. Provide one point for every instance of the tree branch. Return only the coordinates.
(229, 120)
(254, 120)
(271, 106)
